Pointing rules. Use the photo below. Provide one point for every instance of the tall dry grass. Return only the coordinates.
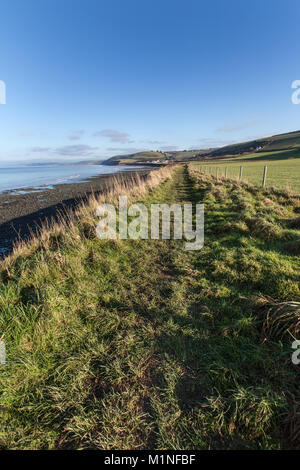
(65, 224)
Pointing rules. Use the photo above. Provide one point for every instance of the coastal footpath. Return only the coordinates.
(142, 344)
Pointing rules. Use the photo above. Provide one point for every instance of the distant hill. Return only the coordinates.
(154, 157)
(281, 142)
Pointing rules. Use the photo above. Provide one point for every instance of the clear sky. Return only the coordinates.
(94, 78)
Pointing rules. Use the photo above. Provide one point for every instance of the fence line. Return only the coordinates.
(223, 172)
(264, 176)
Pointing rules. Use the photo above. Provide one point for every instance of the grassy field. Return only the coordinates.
(144, 345)
(282, 172)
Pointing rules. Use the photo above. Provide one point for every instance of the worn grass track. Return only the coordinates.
(142, 344)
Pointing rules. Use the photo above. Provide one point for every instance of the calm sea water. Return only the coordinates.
(33, 176)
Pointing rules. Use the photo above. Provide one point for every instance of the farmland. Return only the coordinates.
(281, 172)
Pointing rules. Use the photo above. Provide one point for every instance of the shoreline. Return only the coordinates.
(23, 210)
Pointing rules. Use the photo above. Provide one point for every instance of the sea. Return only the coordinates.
(16, 176)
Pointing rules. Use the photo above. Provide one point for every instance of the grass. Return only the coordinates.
(282, 173)
(270, 156)
(144, 345)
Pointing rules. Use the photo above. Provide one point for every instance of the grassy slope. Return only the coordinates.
(284, 141)
(288, 141)
(265, 156)
(273, 144)
(139, 344)
(134, 157)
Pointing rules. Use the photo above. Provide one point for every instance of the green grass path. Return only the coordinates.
(142, 344)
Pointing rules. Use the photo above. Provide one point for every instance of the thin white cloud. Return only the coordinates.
(169, 148)
(76, 150)
(41, 149)
(76, 135)
(125, 151)
(68, 150)
(114, 136)
(238, 127)
(25, 133)
(207, 143)
(152, 142)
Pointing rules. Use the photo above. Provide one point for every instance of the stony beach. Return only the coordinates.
(23, 210)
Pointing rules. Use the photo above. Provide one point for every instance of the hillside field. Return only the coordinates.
(282, 146)
(282, 172)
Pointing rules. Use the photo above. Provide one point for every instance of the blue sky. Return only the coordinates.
(93, 78)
